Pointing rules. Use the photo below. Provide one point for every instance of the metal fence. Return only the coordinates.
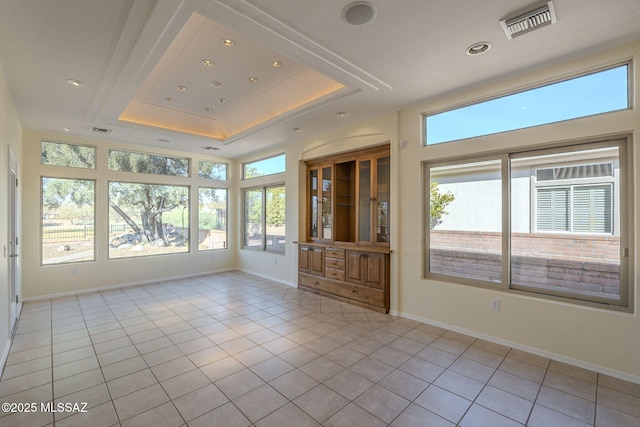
(77, 232)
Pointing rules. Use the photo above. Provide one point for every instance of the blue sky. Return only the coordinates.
(582, 96)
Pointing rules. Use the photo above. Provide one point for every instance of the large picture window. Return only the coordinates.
(561, 229)
(147, 219)
(264, 218)
(67, 226)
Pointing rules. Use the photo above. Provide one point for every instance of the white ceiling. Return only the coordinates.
(132, 54)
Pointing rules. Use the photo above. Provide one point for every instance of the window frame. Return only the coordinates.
(626, 226)
(226, 170)
(48, 141)
(110, 212)
(247, 164)
(629, 84)
(41, 226)
(264, 247)
(226, 228)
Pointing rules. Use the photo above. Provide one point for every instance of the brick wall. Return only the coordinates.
(574, 263)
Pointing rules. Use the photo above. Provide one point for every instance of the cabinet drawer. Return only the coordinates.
(334, 263)
(332, 273)
(334, 253)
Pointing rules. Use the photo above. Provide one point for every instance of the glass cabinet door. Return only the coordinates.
(383, 175)
(327, 215)
(364, 201)
(313, 203)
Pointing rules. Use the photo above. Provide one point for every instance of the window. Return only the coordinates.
(147, 219)
(576, 198)
(212, 218)
(582, 96)
(212, 170)
(269, 166)
(128, 161)
(567, 231)
(264, 218)
(68, 155)
(67, 220)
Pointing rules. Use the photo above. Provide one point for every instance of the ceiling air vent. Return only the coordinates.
(523, 23)
(101, 130)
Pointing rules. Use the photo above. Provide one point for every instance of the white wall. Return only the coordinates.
(10, 138)
(47, 280)
(598, 338)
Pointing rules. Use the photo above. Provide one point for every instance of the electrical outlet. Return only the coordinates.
(275, 260)
(495, 304)
(74, 271)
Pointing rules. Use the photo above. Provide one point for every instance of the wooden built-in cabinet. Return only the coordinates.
(346, 251)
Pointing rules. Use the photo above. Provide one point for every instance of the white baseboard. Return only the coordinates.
(549, 355)
(264, 276)
(5, 354)
(125, 285)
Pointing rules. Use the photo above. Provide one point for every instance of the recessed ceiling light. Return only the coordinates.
(170, 99)
(209, 147)
(296, 129)
(478, 48)
(359, 13)
(253, 80)
(222, 100)
(276, 64)
(181, 88)
(215, 84)
(65, 129)
(208, 109)
(228, 42)
(207, 63)
(341, 114)
(75, 83)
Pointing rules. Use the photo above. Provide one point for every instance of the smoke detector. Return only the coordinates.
(533, 19)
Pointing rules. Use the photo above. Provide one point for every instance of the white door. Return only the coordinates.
(13, 241)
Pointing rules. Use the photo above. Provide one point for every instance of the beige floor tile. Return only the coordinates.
(185, 383)
(623, 402)
(239, 383)
(271, 368)
(481, 416)
(164, 415)
(140, 401)
(459, 384)
(504, 403)
(567, 404)
(24, 382)
(68, 385)
(422, 369)
(260, 402)
(545, 417)
(312, 360)
(441, 402)
(226, 415)
(353, 415)
(321, 403)
(382, 403)
(222, 368)
(199, 402)
(321, 369)
(133, 382)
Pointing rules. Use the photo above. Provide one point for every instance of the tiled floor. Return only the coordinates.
(233, 349)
